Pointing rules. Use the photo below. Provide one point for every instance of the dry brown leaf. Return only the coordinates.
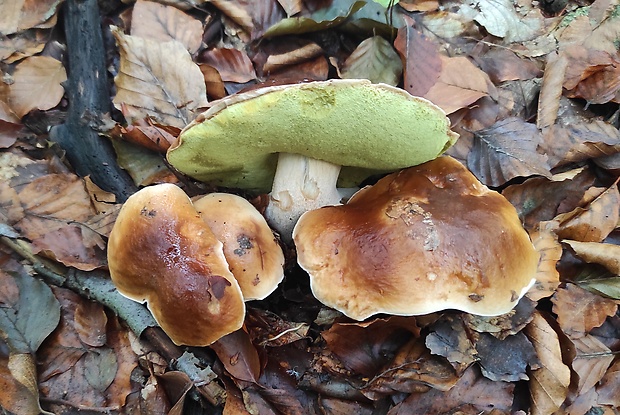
(413, 369)
(607, 255)
(591, 362)
(22, 45)
(591, 74)
(506, 150)
(163, 23)
(291, 7)
(15, 396)
(83, 375)
(269, 329)
(233, 65)
(460, 84)
(365, 347)
(540, 199)
(37, 84)
(504, 325)
(238, 355)
(473, 394)
(20, 15)
(579, 311)
(504, 65)
(158, 80)
(609, 388)
(374, 59)
(90, 323)
(154, 137)
(583, 63)
(551, 90)
(547, 276)
(593, 222)
(422, 61)
(213, 80)
(549, 383)
(255, 17)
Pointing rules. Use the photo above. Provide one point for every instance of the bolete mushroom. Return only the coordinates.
(161, 252)
(293, 140)
(254, 255)
(425, 239)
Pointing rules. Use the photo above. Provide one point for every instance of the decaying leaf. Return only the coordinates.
(373, 59)
(449, 338)
(503, 325)
(549, 383)
(158, 80)
(233, 65)
(506, 150)
(239, 356)
(508, 359)
(579, 311)
(591, 362)
(547, 276)
(609, 387)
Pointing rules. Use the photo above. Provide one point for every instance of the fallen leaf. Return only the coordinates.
(472, 394)
(413, 369)
(422, 61)
(268, 329)
(164, 23)
(254, 16)
(607, 255)
(449, 338)
(506, 360)
(90, 323)
(17, 396)
(503, 325)
(579, 311)
(551, 90)
(366, 347)
(158, 80)
(609, 387)
(547, 276)
(591, 362)
(504, 65)
(239, 356)
(460, 84)
(593, 222)
(374, 59)
(506, 150)
(233, 65)
(19, 15)
(549, 383)
(37, 84)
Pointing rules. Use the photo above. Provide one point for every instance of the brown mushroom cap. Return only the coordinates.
(425, 239)
(253, 253)
(161, 251)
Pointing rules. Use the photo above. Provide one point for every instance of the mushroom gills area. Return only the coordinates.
(421, 240)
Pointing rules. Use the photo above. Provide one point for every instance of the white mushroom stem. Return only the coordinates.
(300, 184)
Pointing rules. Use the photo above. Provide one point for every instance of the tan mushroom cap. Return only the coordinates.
(253, 253)
(161, 251)
(425, 239)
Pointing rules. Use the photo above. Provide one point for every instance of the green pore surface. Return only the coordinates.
(369, 127)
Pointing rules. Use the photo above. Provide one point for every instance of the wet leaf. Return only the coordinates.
(163, 23)
(472, 394)
(506, 150)
(508, 359)
(37, 84)
(374, 59)
(239, 356)
(549, 383)
(422, 61)
(579, 311)
(158, 80)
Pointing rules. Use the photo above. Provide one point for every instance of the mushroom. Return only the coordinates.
(425, 239)
(293, 140)
(253, 253)
(161, 252)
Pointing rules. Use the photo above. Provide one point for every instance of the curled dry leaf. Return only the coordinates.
(593, 222)
(472, 394)
(37, 84)
(551, 90)
(422, 62)
(158, 80)
(283, 56)
(239, 356)
(549, 383)
(20, 15)
(506, 150)
(547, 276)
(374, 59)
(579, 311)
(460, 84)
(605, 254)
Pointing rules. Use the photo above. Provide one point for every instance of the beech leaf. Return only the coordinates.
(159, 80)
(591, 361)
(500, 18)
(506, 150)
(374, 59)
(233, 65)
(506, 360)
(20, 15)
(28, 314)
(37, 84)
